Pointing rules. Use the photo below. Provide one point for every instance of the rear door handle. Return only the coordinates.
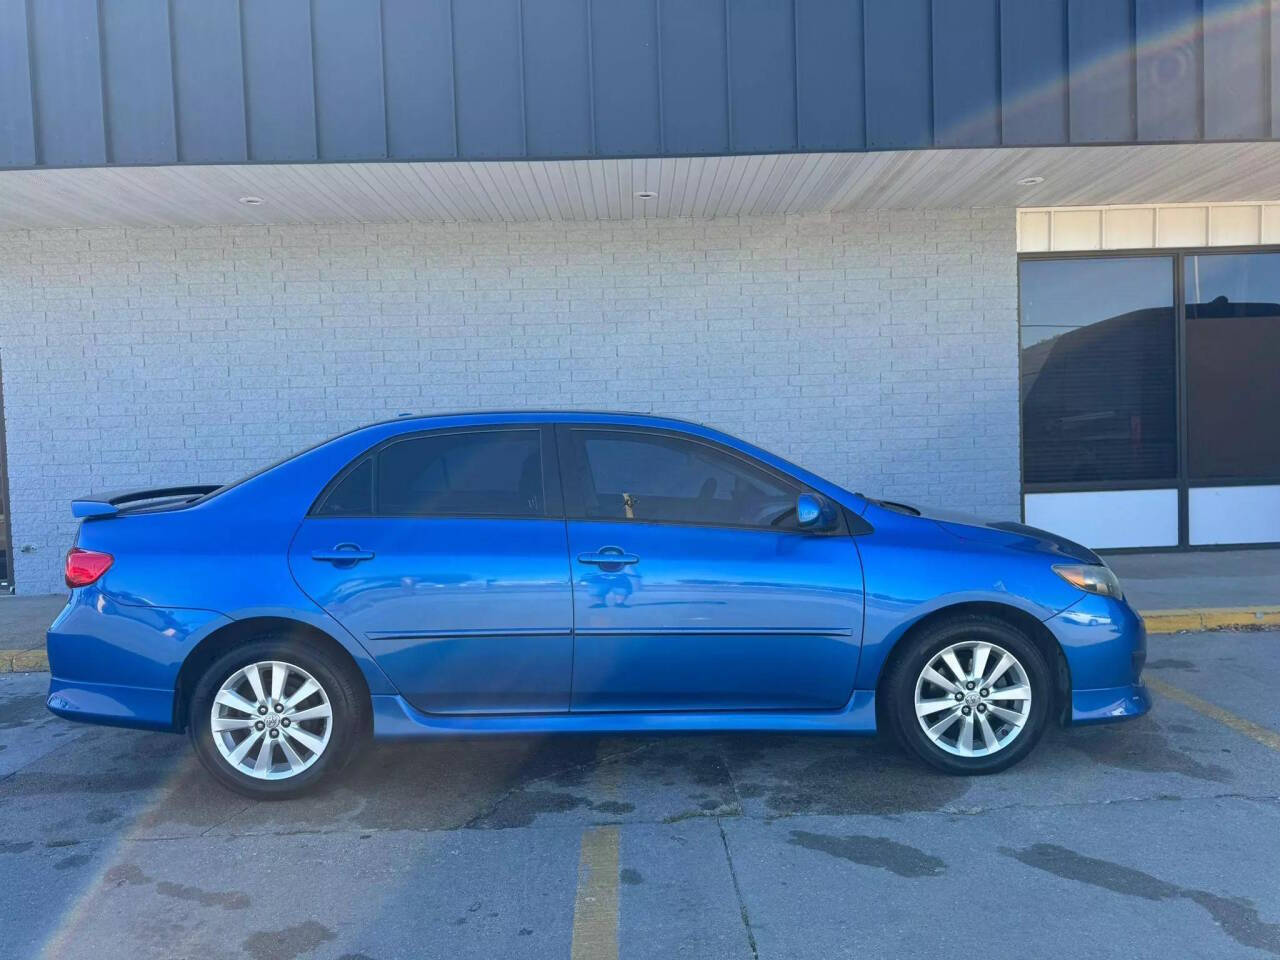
(342, 553)
(609, 557)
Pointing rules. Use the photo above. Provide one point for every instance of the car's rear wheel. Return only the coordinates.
(970, 695)
(272, 718)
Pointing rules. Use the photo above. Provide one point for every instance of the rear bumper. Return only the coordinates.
(118, 664)
(111, 704)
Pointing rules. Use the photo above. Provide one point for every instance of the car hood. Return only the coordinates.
(1004, 533)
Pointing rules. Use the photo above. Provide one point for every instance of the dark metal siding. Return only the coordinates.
(208, 80)
(417, 41)
(93, 82)
(135, 51)
(966, 73)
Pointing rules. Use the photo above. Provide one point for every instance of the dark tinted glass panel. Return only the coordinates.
(1233, 365)
(660, 479)
(353, 496)
(494, 473)
(1098, 374)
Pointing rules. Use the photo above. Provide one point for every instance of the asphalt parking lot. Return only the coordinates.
(1160, 837)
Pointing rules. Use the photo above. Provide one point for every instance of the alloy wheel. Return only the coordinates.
(271, 720)
(973, 698)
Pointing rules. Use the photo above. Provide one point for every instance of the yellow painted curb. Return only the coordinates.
(23, 661)
(1210, 618)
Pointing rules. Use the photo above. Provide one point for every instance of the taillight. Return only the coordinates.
(86, 566)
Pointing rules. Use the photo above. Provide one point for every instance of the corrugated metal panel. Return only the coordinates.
(209, 81)
(557, 78)
(1236, 57)
(17, 123)
(351, 122)
(489, 76)
(1168, 69)
(1033, 57)
(762, 44)
(829, 74)
(695, 100)
(1101, 93)
(899, 74)
(966, 72)
(279, 80)
(417, 41)
(307, 80)
(1275, 72)
(67, 80)
(624, 39)
(135, 51)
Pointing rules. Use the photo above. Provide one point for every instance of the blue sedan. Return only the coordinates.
(518, 573)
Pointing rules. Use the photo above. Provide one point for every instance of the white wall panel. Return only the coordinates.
(1182, 227)
(1145, 226)
(1108, 519)
(1234, 515)
(1234, 225)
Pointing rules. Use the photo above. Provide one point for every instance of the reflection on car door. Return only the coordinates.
(693, 587)
(445, 554)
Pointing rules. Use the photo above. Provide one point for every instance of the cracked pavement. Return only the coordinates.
(1156, 837)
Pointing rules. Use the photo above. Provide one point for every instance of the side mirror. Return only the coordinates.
(813, 513)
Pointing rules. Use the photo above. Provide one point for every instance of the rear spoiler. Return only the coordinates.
(109, 504)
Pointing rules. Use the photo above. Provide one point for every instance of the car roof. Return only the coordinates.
(543, 416)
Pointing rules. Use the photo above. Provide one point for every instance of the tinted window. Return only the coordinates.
(1233, 386)
(353, 496)
(494, 473)
(661, 479)
(1098, 373)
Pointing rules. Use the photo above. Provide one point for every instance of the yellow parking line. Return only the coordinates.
(1265, 736)
(595, 911)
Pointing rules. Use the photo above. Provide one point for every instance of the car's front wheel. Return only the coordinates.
(970, 695)
(273, 717)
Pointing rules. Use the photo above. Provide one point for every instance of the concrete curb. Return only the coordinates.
(1158, 622)
(23, 661)
(1211, 618)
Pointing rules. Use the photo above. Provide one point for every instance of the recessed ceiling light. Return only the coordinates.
(251, 201)
(646, 195)
(1030, 181)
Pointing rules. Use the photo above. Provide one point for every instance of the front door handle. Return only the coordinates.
(342, 553)
(609, 558)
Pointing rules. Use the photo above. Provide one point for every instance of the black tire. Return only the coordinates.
(346, 698)
(899, 687)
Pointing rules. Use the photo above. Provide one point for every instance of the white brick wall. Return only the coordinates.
(879, 349)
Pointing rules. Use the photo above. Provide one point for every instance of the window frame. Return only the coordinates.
(1182, 482)
(553, 505)
(574, 491)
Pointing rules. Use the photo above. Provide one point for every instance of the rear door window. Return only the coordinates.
(483, 473)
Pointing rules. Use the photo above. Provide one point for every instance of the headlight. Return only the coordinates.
(1091, 578)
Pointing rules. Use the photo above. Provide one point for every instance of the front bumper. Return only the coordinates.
(1105, 643)
(1110, 703)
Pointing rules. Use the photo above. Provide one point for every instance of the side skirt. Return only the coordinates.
(394, 719)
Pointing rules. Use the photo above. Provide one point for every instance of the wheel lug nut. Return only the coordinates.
(279, 708)
(259, 725)
(284, 722)
(262, 710)
(969, 685)
(965, 710)
(985, 692)
(982, 708)
(959, 696)
(274, 733)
